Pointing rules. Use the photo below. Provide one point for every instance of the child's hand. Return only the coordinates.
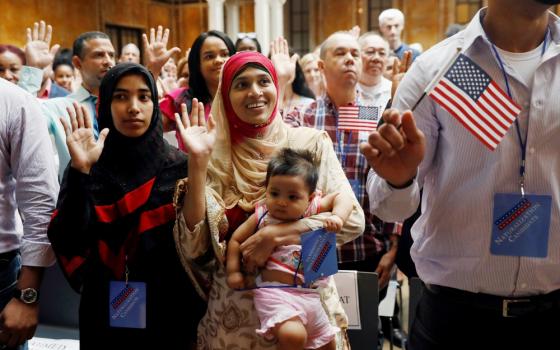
(333, 223)
(236, 280)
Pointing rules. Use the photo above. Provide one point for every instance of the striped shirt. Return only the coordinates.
(28, 186)
(460, 175)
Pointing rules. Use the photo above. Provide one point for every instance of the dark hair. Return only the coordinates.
(63, 57)
(294, 163)
(78, 47)
(257, 44)
(197, 84)
(15, 50)
(299, 85)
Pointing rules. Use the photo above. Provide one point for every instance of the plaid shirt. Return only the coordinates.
(323, 115)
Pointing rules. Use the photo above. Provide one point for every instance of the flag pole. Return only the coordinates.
(437, 78)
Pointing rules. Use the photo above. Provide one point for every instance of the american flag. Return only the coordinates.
(358, 118)
(475, 100)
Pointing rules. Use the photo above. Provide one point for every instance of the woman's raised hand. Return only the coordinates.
(84, 149)
(155, 49)
(198, 136)
(284, 65)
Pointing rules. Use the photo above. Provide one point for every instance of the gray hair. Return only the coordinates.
(391, 13)
(366, 35)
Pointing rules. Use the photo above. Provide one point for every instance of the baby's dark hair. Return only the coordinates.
(294, 163)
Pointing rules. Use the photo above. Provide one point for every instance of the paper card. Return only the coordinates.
(127, 304)
(521, 225)
(347, 287)
(318, 250)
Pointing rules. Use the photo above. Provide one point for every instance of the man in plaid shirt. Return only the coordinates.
(341, 63)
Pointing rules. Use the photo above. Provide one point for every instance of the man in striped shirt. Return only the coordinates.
(480, 285)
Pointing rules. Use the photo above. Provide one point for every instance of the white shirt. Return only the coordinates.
(460, 175)
(377, 95)
(28, 183)
(524, 63)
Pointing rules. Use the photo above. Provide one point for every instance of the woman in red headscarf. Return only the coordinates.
(227, 169)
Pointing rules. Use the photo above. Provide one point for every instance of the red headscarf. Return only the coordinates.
(238, 128)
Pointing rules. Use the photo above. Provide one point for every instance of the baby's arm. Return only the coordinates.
(340, 205)
(233, 262)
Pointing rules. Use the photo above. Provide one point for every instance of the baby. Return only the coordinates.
(292, 315)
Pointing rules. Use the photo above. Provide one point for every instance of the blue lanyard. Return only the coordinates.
(522, 144)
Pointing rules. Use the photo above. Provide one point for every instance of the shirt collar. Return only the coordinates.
(82, 94)
(330, 104)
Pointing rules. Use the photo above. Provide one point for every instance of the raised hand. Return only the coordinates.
(84, 149)
(38, 52)
(355, 31)
(399, 70)
(156, 53)
(198, 136)
(396, 149)
(284, 64)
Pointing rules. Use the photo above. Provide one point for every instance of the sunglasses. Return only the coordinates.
(247, 35)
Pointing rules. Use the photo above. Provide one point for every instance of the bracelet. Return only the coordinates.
(405, 185)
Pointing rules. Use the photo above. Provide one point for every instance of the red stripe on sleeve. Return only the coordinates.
(126, 205)
(70, 265)
(156, 217)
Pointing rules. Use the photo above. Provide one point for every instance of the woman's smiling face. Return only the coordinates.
(253, 95)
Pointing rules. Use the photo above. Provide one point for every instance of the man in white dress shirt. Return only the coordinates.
(487, 244)
(28, 193)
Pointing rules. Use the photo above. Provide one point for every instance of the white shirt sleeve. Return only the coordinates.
(388, 203)
(36, 182)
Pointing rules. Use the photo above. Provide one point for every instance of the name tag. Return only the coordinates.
(127, 304)
(521, 225)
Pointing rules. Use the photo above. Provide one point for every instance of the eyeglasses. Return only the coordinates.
(251, 35)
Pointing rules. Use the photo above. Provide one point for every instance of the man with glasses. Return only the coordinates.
(374, 89)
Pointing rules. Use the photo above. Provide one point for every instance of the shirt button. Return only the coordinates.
(523, 285)
(532, 150)
(538, 103)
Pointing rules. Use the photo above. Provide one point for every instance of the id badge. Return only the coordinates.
(355, 184)
(318, 254)
(127, 304)
(521, 225)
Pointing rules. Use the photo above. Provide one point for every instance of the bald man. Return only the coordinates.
(130, 53)
(341, 63)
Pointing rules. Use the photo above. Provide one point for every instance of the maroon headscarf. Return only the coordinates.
(239, 129)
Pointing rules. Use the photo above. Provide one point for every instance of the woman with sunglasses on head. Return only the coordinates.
(208, 53)
(247, 42)
(112, 230)
(227, 167)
